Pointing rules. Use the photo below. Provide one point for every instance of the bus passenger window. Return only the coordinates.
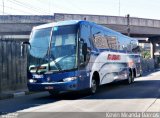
(112, 42)
(85, 34)
(100, 42)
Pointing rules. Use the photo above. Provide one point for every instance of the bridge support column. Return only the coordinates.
(155, 41)
(152, 51)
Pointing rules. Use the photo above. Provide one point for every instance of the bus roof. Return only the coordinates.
(72, 22)
(61, 23)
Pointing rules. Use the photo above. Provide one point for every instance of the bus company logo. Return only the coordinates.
(113, 57)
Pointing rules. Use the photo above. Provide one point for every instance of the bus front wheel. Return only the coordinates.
(130, 79)
(94, 85)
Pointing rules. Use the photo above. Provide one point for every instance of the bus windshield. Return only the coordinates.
(40, 42)
(57, 54)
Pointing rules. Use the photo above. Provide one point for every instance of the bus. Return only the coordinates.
(76, 55)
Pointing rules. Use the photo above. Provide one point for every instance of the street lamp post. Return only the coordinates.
(119, 11)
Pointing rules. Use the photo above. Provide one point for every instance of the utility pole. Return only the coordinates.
(3, 6)
(119, 11)
(128, 24)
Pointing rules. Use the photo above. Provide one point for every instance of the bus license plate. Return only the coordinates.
(49, 87)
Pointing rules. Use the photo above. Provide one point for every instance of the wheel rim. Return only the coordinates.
(94, 86)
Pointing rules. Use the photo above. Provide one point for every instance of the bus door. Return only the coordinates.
(84, 65)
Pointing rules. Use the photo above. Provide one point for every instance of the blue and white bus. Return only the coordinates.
(76, 55)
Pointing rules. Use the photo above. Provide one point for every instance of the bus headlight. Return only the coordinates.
(32, 81)
(69, 79)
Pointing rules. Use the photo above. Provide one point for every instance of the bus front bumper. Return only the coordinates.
(56, 86)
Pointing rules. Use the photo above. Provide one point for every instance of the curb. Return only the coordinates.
(18, 94)
(13, 95)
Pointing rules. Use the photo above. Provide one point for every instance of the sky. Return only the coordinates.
(136, 8)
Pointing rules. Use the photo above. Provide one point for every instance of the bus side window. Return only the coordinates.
(112, 42)
(85, 39)
(100, 42)
(85, 34)
(99, 39)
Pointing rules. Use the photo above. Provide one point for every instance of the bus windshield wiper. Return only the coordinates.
(55, 63)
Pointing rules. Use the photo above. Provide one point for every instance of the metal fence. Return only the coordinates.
(148, 65)
(12, 66)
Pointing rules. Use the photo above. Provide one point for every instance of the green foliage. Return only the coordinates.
(146, 54)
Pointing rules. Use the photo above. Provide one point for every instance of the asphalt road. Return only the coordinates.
(141, 96)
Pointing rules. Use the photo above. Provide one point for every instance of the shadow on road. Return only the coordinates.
(34, 100)
(138, 90)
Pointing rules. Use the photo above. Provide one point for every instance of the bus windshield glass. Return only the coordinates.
(57, 54)
(64, 48)
(40, 42)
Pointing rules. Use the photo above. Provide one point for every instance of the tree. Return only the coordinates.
(146, 54)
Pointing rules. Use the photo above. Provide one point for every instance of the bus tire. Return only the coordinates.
(94, 86)
(129, 80)
(141, 73)
(133, 75)
(133, 79)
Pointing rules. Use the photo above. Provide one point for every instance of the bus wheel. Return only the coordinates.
(133, 79)
(94, 86)
(130, 79)
(54, 93)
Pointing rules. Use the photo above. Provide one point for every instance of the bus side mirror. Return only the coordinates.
(22, 47)
(136, 49)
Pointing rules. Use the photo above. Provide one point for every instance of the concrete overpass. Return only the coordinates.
(20, 24)
(139, 27)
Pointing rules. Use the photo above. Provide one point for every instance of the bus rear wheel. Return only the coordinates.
(130, 79)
